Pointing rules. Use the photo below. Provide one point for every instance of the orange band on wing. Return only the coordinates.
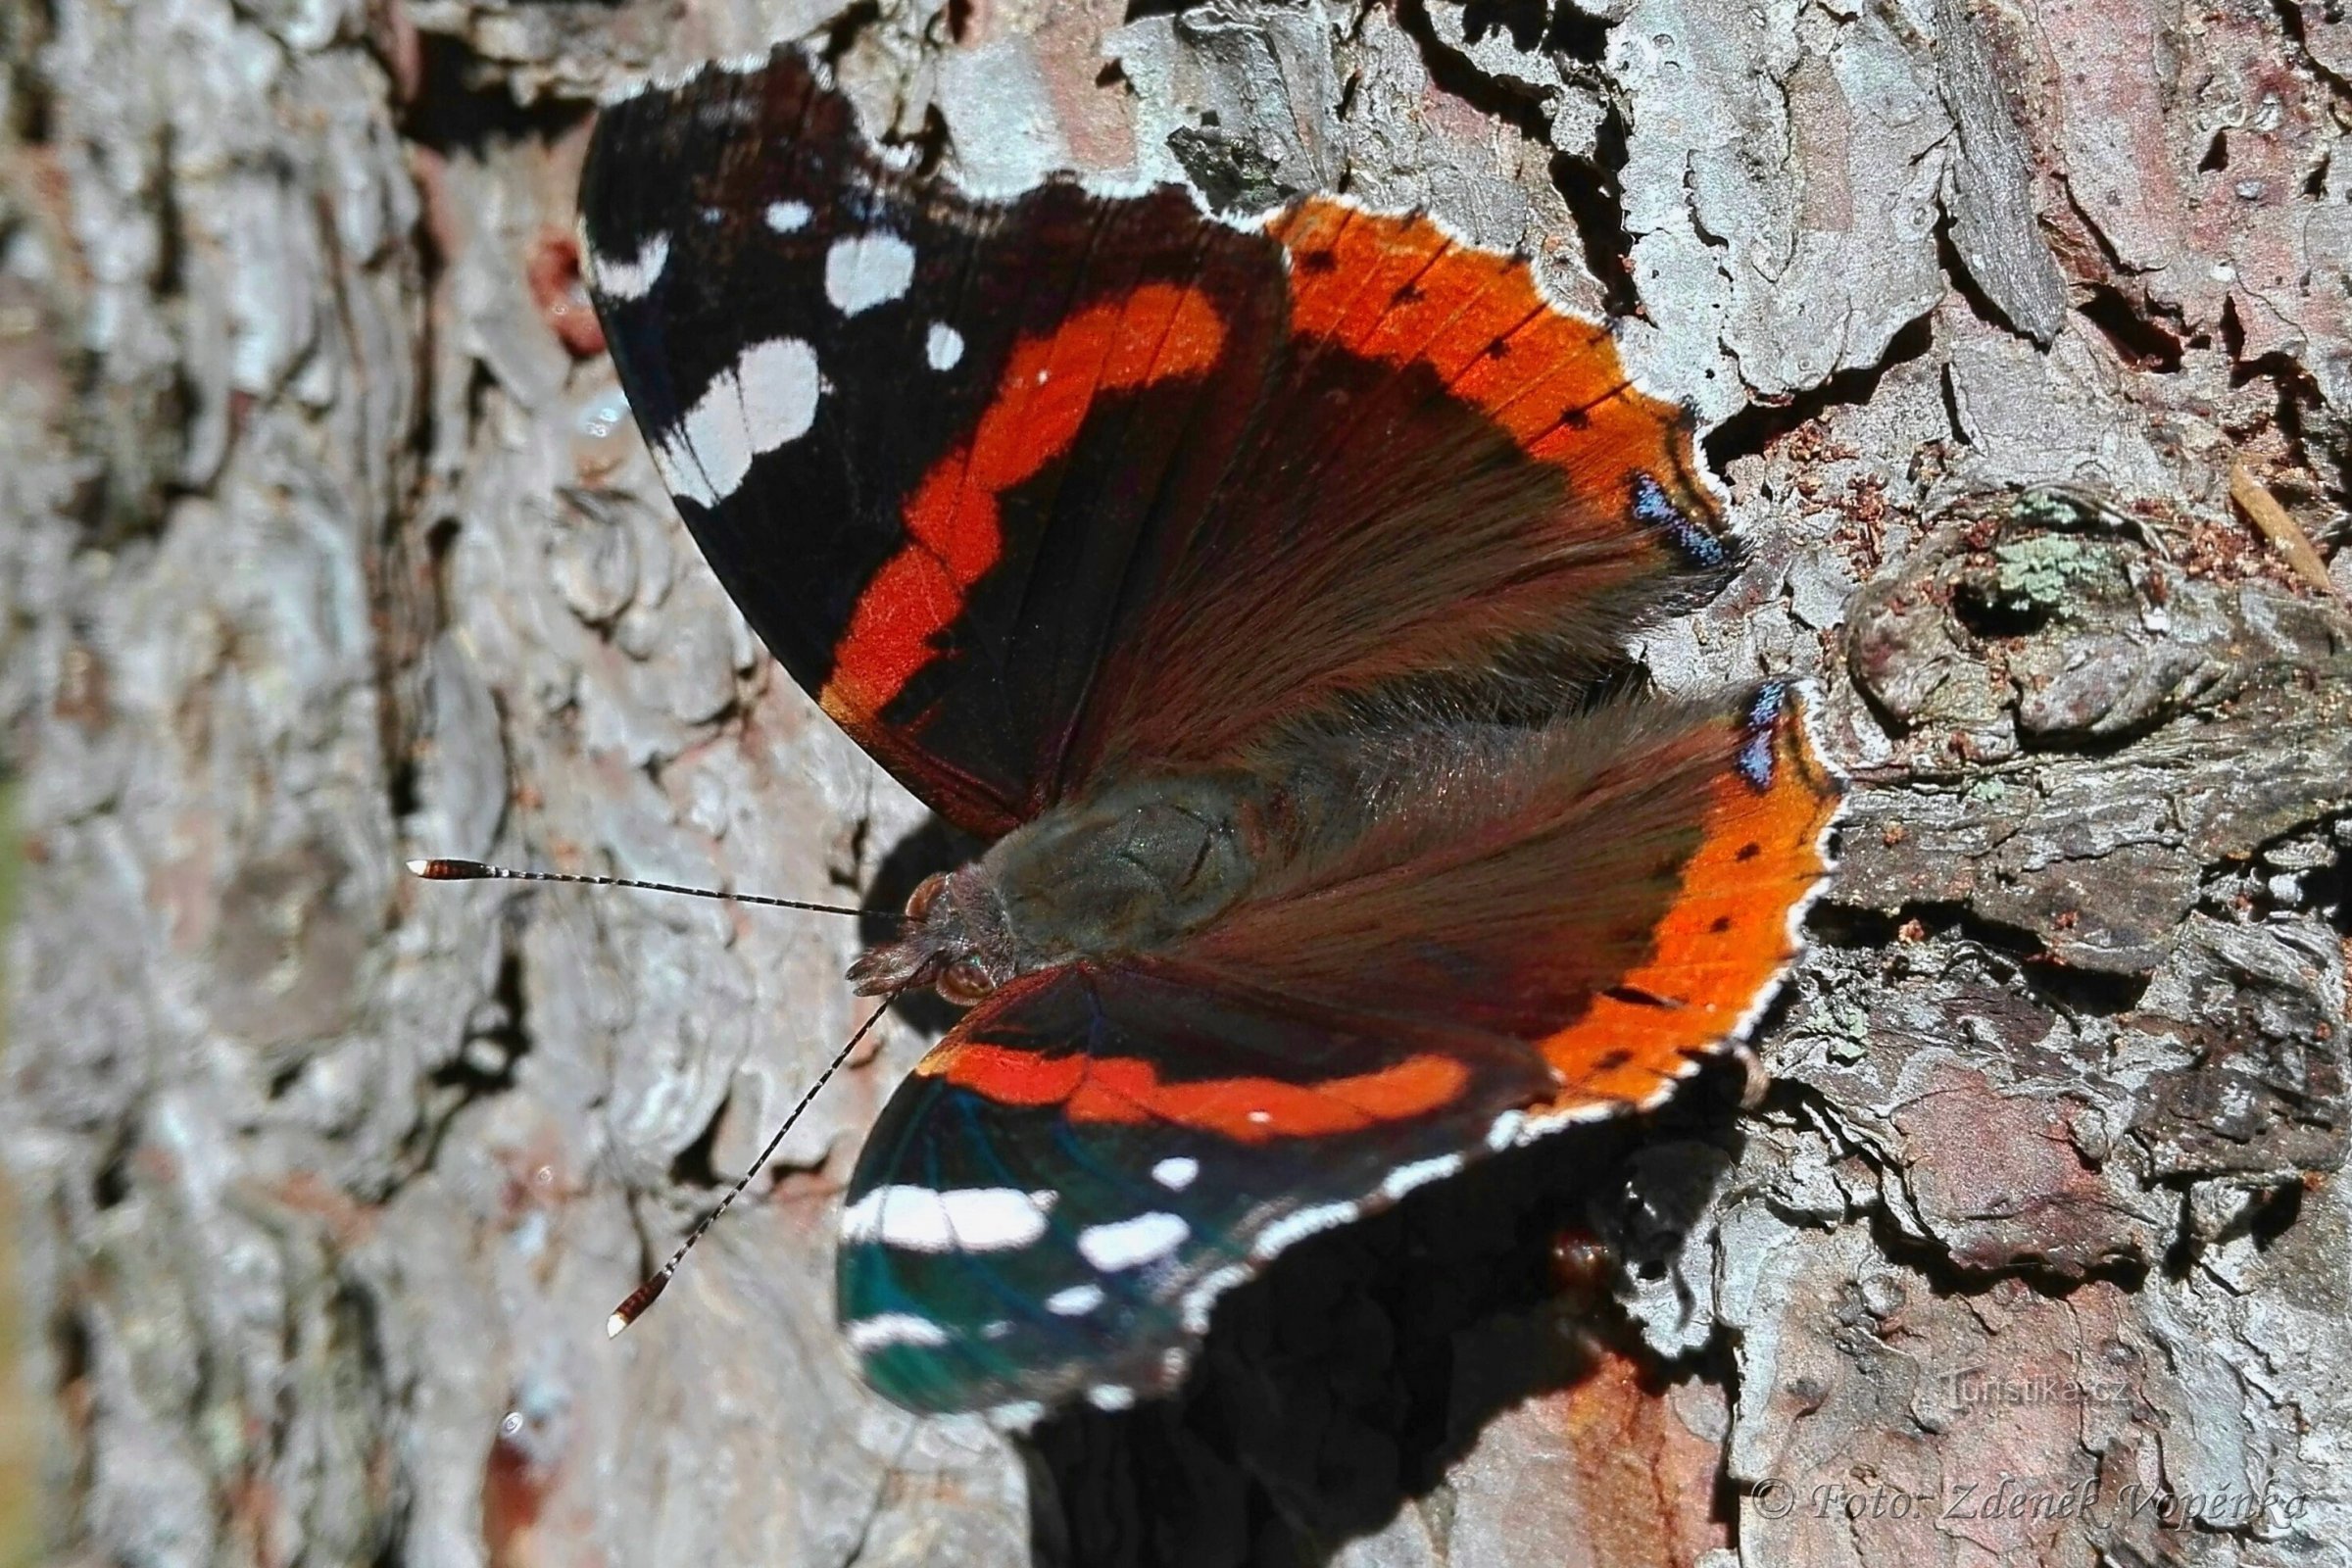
(1722, 942)
(1249, 1111)
(1153, 333)
(1401, 290)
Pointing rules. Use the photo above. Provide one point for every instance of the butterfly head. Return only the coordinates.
(954, 941)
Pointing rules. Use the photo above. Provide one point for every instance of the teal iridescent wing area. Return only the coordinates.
(1052, 1201)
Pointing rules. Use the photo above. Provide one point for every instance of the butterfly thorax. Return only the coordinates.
(1127, 871)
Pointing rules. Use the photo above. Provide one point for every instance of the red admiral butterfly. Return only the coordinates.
(1256, 587)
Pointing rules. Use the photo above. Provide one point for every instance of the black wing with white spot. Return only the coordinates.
(1053, 1202)
(921, 437)
(1038, 492)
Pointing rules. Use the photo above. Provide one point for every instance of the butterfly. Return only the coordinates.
(1258, 590)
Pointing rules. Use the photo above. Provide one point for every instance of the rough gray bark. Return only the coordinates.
(327, 543)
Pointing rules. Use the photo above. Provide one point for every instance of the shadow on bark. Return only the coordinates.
(1350, 1380)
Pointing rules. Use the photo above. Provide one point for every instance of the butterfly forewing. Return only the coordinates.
(921, 437)
(1051, 1204)
(1034, 492)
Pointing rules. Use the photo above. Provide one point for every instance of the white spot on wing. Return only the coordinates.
(766, 401)
(676, 476)
(867, 269)
(706, 456)
(1123, 1243)
(786, 218)
(630, 277)
(1176, 1173)
(1293, 1227)
(892, 1328)
(968, 1219)
(779, 391)
(1109, 1396)
(942, 347)
(1076, 1301)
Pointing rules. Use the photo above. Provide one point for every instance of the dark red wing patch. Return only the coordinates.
(1439, 436)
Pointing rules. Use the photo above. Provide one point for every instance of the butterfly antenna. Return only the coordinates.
(645, 1295)
(439, 871)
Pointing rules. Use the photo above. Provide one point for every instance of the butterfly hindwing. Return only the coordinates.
(1617, 888)
(1054, 1198)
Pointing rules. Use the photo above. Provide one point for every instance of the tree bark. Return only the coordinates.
(327, 542)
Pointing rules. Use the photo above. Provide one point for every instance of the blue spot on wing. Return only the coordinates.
(1755, 761)
(1655, 511)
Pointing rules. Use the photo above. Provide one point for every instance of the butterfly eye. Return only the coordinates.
(926, 894)
(966, 983)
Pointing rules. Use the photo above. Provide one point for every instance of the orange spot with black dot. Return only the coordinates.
(1399, 289)
(1719, 945)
